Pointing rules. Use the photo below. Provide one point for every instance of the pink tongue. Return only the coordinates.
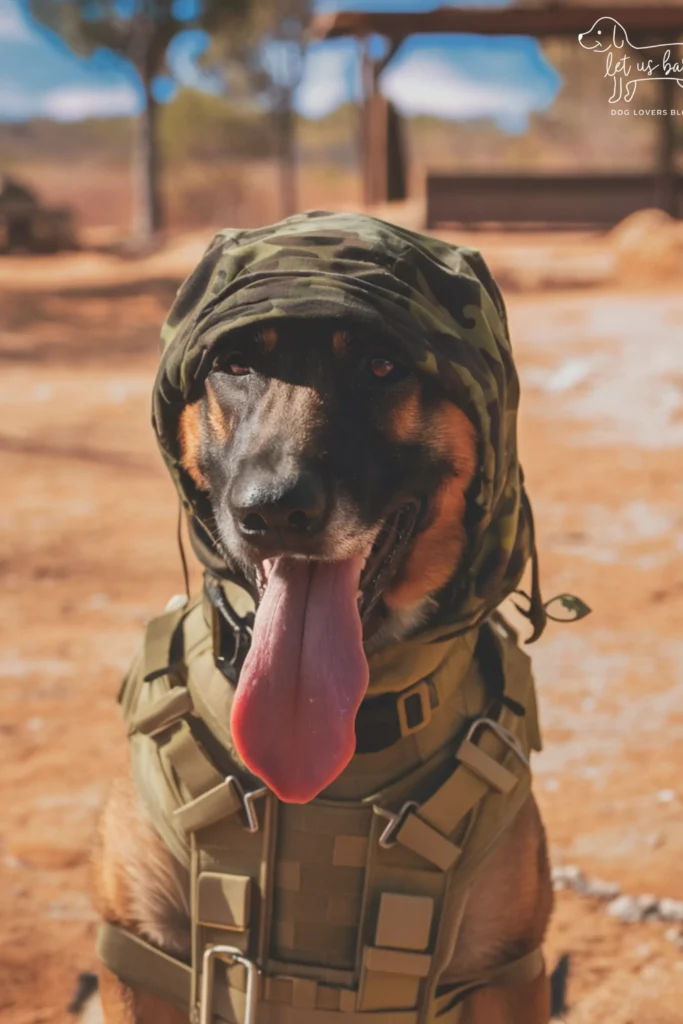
(303, 679)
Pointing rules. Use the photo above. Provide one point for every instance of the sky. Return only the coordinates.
(454, 77)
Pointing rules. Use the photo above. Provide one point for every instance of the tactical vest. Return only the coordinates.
(331, 912)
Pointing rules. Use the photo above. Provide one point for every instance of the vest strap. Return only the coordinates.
(138, 964)
(424, 828)
(521, 971)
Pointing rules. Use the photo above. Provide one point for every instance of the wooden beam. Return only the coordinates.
(642, 20)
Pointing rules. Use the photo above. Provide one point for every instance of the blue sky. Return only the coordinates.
(455, 77)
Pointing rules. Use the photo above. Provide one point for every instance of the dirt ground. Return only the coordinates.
(88, 555)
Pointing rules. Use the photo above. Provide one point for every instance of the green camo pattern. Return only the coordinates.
(436, 302)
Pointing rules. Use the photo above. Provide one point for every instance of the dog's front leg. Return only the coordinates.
(139, 885)
(523, 1004)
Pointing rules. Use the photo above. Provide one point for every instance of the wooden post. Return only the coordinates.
(667, 192)
(368, 142)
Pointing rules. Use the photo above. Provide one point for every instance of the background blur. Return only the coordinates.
(130, 130)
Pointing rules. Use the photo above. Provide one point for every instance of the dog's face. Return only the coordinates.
(605, 33)
(313, 443)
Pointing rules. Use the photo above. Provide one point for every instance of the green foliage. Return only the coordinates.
(201, 127)
(142, 36)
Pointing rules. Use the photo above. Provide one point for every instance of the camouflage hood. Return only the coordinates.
(440, 307)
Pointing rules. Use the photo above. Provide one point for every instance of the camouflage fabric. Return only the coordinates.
(440, 307)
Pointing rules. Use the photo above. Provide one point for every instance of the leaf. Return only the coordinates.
(573, 606)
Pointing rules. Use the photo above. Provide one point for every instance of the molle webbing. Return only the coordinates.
(338, 902)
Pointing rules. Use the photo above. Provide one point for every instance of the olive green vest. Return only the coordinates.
(329, 912)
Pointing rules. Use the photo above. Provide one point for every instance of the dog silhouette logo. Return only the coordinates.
(627, 64)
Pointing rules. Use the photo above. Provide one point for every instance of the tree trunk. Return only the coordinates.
(286, 128)
(150, 213)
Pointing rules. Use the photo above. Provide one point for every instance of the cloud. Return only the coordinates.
(39, 77)
(429, 86)
(75, 103)
(469, 79)
(459, 78)
(13, 26)
(331, 77)
(69, 103)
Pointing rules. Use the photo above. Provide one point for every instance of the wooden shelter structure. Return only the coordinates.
(595, 199)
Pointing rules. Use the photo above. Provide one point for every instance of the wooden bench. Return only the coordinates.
(586, 200)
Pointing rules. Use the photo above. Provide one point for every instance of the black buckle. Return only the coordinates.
(232, 633)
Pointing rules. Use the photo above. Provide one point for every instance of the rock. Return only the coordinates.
(601, 889)
(568, 876)
(649, 906)
(671, 910)
(626, 909)
(666, 796)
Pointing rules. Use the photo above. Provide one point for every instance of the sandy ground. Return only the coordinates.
(88, 554)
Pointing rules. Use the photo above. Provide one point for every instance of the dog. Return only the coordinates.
(609, 36)
(317, 447)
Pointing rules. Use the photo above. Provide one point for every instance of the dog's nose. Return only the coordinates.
(269, 509)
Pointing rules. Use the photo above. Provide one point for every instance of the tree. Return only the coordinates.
(141, 31)
(266, 59)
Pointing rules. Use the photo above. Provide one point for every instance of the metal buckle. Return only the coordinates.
(421, 691)
(506, 737)
(388, 836)
(247, 801)
(234, 956)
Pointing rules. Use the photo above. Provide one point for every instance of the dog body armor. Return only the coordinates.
(342, 910)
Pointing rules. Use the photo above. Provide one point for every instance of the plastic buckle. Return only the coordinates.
(232, 956)
(416, 698)
(388, 837)
(247, 801)
(510, 741)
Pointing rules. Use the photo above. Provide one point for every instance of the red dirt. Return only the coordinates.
(88, 554)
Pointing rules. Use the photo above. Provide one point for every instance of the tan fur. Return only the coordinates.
(269, 337)
(406, 419)
(217, 423)
(340, 343)
(434, 556)
(190, 435)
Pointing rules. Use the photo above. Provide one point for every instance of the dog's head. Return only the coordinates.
(313, 443)
(337, 401)
(604, 34)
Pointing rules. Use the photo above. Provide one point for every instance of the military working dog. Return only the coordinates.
(338, 478)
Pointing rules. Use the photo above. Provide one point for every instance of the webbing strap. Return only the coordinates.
(466, 786)
(515, 973)
(425, 828)
(140, 965)
(163, 712)
(158, 640)
(220, 802)
(191, 766)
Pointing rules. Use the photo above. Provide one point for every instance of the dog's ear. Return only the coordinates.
(619, 36)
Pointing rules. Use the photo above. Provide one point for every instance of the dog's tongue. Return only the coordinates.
(304, 678)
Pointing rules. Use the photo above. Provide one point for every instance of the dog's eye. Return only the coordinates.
(381, 367)
(234, 363)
